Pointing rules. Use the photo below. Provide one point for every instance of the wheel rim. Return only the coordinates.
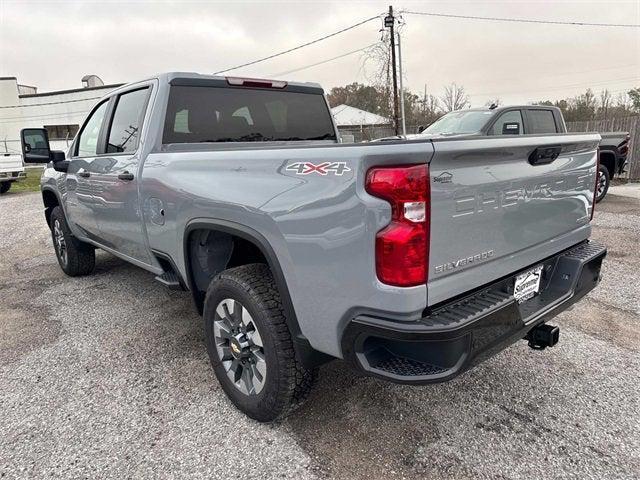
(602, 182)
(239, 346)
(59, 241)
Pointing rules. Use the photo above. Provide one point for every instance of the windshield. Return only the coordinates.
(470, 121)
(213, 114)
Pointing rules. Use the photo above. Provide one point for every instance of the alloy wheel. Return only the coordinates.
(59, 241)
(602, 183)
(239, 346)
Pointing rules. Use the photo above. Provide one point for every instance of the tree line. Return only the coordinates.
(426, 108)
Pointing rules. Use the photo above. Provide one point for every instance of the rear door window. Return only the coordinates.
(127, 119)
(541, 121)
(198, 114)
(506, 122)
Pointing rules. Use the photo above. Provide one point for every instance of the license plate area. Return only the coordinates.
(527, 284)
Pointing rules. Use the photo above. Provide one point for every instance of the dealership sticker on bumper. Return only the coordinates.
(527, 284)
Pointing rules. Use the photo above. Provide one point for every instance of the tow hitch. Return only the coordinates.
(543, 336)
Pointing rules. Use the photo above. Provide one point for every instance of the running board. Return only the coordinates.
(170, 280)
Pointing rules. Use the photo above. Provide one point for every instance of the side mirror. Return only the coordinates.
(421, 128)
(511, 129)
(35, 147)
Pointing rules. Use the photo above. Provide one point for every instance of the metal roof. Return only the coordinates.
(346, 115)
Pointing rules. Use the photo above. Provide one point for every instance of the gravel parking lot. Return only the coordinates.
(107, 377)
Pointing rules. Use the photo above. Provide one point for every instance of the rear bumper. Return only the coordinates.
(12, 176)
(460, 334)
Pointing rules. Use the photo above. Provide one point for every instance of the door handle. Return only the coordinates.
(84, 174)
(126, 176)
(544, 155)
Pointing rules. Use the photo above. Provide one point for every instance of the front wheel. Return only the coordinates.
(603, 181)
(4, 187)
(75, 257)
(250, 345)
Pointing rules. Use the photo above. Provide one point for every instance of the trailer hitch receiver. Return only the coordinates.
(543, 336)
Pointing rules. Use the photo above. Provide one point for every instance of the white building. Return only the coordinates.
(61, 112)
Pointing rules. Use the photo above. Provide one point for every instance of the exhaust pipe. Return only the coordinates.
(543, 336)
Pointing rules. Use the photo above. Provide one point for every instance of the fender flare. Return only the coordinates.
(305, 352)
(47, 188)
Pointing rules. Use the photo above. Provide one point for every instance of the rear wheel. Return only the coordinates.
(4, 187)
(75, 257)
(603, 181)
(250, 346)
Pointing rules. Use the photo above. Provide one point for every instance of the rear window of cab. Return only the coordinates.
(197, 114)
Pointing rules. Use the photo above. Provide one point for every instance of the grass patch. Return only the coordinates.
(29, 184)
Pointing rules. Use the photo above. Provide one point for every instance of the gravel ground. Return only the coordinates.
(107, 377)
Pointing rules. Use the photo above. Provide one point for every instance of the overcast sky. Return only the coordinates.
(53, 44)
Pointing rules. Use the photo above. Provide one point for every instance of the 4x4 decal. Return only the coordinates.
(325, 168)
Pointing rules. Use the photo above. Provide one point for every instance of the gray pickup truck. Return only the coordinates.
(412, 260)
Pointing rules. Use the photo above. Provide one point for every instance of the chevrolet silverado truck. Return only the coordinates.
(411, 260)
(11, 170)
(531, 120)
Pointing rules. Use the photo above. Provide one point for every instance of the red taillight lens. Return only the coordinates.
(402, 248)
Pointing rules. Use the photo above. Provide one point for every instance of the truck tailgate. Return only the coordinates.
(10, 162)
(494, 213)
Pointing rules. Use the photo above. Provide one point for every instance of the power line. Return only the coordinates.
(51, 103)
(299, 46)
(325, 61)
(522, 20)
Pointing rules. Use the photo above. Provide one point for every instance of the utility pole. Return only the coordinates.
(424, 102)
(404, 123)
(389, 21)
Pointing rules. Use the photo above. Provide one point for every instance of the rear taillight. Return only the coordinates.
(402, 247)
(595, 188)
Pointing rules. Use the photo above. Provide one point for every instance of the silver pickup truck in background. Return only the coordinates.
(413, 260)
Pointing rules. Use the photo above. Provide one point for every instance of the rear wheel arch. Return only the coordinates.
(608, 160)
(250, 247)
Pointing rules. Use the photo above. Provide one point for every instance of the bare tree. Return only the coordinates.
(376, 67)
(496, 101)
(622, 101)
(454, 98)
(605, 103)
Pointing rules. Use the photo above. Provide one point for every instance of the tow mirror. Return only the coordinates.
(35, 147)
(511, 129)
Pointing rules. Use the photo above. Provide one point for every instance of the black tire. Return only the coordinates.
(287, 382)
(4, 187)
(602, 185)
(80, 257)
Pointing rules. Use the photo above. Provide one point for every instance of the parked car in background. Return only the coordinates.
(412, 260)
(11, 170)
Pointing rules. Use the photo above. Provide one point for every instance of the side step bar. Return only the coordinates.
(170, 280)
